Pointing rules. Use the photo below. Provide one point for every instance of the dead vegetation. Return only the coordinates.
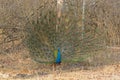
(17, 16)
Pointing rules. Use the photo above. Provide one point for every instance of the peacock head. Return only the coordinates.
(58, 49)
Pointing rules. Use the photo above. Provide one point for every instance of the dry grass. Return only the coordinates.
(106, 73)
(19, 66)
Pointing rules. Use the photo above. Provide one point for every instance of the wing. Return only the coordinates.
(55, 54)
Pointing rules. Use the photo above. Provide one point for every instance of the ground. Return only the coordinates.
(111, 72)
(19, 66)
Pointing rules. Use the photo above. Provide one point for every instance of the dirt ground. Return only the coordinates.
(106, 73)
(21, 67)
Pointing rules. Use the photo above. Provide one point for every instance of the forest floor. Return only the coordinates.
(21, 67)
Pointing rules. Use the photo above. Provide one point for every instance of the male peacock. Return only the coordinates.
(57, 56)
(48, 45)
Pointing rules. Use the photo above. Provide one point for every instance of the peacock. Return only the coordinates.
(57, 56)
(57, 40)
